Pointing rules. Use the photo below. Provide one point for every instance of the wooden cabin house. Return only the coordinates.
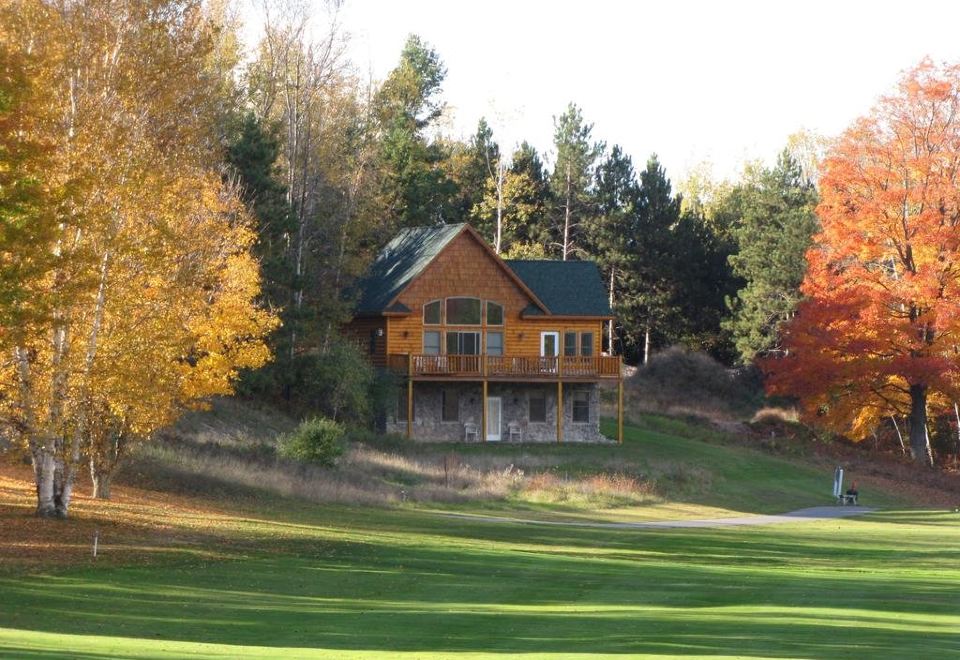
(487, 349)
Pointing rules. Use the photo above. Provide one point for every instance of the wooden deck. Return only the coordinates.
(504, 367)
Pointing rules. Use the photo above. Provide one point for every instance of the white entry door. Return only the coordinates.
(549, 344)
(549, 352)
(494, 415)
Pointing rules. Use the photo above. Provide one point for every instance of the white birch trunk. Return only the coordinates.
(566, 217)
(610, 322)
(501, 172)
(646, 345)
(903, 447)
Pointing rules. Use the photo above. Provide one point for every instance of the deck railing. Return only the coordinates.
(506, 366)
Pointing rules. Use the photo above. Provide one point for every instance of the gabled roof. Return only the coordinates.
(560, 288)
(400, 262)
(567, 288)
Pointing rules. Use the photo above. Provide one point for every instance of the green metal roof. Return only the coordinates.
(405, 257)
(567, 288)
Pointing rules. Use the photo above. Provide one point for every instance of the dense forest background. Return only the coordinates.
(333, 164)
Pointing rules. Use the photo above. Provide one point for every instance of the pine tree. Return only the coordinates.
(610, 236)
(532, 229)
(650, 304)
(470, 166)
(416, 189)
(774, 230)
(572, 179)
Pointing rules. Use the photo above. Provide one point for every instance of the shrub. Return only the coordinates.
(316, 440)
(678, 381)
(376, 439)
(335, 383)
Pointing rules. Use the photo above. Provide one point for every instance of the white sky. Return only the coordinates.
(690, 80)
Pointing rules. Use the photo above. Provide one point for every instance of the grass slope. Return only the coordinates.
(276, 577)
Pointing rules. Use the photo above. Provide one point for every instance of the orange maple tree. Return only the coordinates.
(879, 330)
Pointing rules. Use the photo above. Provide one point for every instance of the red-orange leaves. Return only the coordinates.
(883, 297)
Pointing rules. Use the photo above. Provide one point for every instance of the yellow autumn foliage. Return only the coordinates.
(149, 300)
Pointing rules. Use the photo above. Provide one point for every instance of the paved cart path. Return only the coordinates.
(811, 514)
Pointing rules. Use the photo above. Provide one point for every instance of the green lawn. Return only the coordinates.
(332, 581)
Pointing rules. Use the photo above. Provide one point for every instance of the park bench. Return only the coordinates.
(843, 498)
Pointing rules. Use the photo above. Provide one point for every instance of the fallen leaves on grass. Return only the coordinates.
(135, 526)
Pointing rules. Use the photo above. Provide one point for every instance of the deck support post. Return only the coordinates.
(409, 396)
(620, 410)
(483, 413)
(559, 411)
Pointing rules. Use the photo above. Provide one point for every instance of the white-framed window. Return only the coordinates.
(581, 406)
(494, 343)
(586, 344)
(494, 313)
(460, 342)
(463, 311)
(431, 313)
(431, 342)
(549, 344)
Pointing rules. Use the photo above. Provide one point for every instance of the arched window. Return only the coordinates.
(463, 311)
(494, 313)
(431, 313)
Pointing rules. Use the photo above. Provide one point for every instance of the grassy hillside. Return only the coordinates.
(667, 468)
(237, 571)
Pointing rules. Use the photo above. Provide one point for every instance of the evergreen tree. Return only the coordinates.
(704, 283)
(416, 189)
(533, 228)
(649, 307)
(610, 232)
(571, 180)
(776, 224)
(252, 156)
(470, 166)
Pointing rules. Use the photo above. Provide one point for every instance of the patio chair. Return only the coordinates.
(470, 429)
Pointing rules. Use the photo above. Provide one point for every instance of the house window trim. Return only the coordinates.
(466, 330)
(446, 316)
(442, 310)
(591, 343)
(486, 342)
(486, 314)
(573, 407)
(541, 395)
(443, 405)
(423, 342)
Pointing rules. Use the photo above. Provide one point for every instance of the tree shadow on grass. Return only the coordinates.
(553, 596)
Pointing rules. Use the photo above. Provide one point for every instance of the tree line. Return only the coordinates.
(333, 166)
(179, 219)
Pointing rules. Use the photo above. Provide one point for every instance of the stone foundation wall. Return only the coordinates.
(428, 408)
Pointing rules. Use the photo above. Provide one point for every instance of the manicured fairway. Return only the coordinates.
(378, 581)
(271, 577)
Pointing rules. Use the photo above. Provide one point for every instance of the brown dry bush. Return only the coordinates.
(682, 382)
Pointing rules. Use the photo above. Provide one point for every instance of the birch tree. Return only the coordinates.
(142, 219)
